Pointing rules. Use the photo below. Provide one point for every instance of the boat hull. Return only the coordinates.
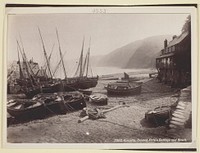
(28, 113)
(74, 102)
(132, 91)
(31, 92)
(86, 83)
(47, 105)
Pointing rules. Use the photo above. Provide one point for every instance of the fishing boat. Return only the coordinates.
(61, 102)
(25, 109)
(81, 74)
(30, 92)
(29, 80)
(86, 82)
(53, 104)
(73, 101)
(36, 108)
(85, 91)
(123, 88)
(46, 83)
(98, 99)
(44, 104)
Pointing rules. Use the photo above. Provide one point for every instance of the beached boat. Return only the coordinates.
(69, 84)
(159, 115)
(62, 102)
(85, 91)
(30, 92)
(44, 104)
(124, 88)
(53, 104)
(81, 74)
(82, 81)
(73, 101)
(35, 108)
(98, 99)
(24, 109)
(87, 82)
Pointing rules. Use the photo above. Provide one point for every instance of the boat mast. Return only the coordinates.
(8, 76)
(58, 65)
(19, 63)
(88, 56)
(61, 56)
(24, 61)
(85, 62)
(25, 57)
(81, 59)
(80, 63)
(49, 58)
(45, 54)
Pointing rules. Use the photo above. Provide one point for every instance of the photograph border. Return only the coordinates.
(194, 88)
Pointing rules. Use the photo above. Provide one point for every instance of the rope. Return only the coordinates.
(69, 108)
(49, 109)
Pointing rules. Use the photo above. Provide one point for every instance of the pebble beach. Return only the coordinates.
(123, 125)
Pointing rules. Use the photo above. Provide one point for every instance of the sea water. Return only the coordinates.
(104, 71)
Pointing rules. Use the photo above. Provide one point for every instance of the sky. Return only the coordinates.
(107, 31)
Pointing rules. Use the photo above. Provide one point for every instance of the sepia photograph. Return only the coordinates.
(116, 76)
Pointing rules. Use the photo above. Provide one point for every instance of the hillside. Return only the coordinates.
(138, 54)
(119, 57)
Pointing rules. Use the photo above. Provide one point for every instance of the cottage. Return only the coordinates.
(174, 62)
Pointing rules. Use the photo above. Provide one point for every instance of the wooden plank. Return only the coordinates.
(180, 107)
(176, 123)
(173, 126)
(183, 112)
(178, 116)
(179, 111)
(178, 119)
(181, 104)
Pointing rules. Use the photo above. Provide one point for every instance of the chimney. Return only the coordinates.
(165, 43)
(174, 37)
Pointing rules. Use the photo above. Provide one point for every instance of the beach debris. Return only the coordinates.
(97, 113)
(159, 115)
(98, 99)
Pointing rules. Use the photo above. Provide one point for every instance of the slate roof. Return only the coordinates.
(177, 39)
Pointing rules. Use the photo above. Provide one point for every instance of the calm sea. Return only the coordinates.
(105, 71)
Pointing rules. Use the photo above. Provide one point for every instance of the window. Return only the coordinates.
(170, 48)
(173, 48)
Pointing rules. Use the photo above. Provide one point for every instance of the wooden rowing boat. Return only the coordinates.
(24, 109)
(45, 104)
(124, 88)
